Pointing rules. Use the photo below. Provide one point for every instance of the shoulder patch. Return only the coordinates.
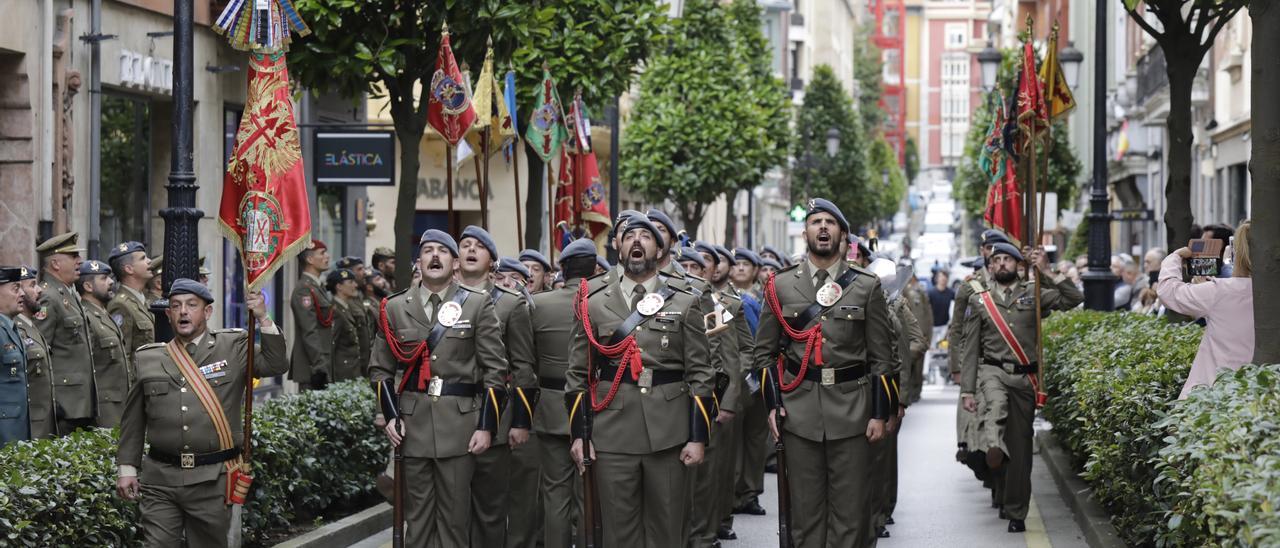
(118, 319)
(151, 346)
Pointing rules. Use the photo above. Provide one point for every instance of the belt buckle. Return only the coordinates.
(187, 460)
(435, 388)
(828, 376)
(646, 380)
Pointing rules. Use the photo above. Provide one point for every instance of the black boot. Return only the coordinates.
(726, 533)
(1017, 525)
(751, 507)
(881, 532)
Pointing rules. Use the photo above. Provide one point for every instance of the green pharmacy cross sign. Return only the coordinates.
(798, 212)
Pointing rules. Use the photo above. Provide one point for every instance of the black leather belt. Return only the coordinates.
(660, 377)
(192, 460)
(437, 387)
(551, 383)
(1018, 369)
(828, 375)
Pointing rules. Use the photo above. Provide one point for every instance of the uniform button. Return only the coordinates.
(186, 447)
(185, 428)
(64, 381)
(640, 328)
(434, 357)
(824, 318)
(184, 409)
(183, 389)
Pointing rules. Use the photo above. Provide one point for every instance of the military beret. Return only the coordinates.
(602, 263)
(372, 273)
(765, 261)
(27, 273)
(535, 256)
(10, 274)
(658, 216)
(863, 250)
(640, 221)
(338, 276)
(350, 261)
(744, 254)
(774, 251)
(724, 252)
(704, 247)
(578, 248)
(1006, 249)
(124, 248)
(481, 235)
(318, 245)
(186, 286)
(383, 252)
(94, 268)
(690, 254)
(62, 243)
(820, 205)
(622, 216)
(440, 237)
(507, 264)
(992, 236)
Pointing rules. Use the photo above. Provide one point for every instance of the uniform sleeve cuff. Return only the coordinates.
(272, 329)
(128, 471)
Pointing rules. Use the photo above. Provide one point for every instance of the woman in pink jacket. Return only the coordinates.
(1226, 304)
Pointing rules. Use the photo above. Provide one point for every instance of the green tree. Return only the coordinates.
(911, 157)
(971, 184)
(706, 120)
(387, 48)
(888, 179)
(845, 178)
(1185, 31)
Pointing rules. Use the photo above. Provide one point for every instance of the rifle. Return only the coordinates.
(590, 497)
(771, 391)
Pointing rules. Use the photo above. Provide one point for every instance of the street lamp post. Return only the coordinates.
(181, 217)
(1099, 282)
(989, 61)
(808, 164)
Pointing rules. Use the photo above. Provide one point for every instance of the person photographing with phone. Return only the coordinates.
(1226, 304)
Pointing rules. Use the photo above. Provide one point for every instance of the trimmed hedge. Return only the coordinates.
(313, 452)
(1200, 472)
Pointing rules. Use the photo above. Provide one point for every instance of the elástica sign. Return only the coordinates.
(354, 157)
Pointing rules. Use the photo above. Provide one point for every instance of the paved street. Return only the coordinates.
(939, 502)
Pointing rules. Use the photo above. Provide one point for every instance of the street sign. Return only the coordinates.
(797, 213)
(1127, 215)
(354, 157)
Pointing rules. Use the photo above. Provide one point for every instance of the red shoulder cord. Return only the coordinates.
(627, 352)
(419, 353)
(325, 321)
(812, 338)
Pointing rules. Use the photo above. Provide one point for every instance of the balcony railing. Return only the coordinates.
(1151, 73)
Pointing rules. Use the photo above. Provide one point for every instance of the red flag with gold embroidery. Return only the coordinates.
(449, 109)
(264, 208)
(1004, 203)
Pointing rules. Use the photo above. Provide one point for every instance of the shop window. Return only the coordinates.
(328, 224)
(125, 138)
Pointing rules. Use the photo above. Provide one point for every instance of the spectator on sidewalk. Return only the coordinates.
(1125, 272)
(1226, 304)
(1151, 263)
(940, 297)
(1224, 233)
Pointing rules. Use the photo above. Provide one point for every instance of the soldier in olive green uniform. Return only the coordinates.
(39, 372)
(922, 311)
(311, 363)
(504, 492)
(111, 365)
(836, 405)
(153, 291)
(367, 305)
(350, 352)
(1004, 371)
(447, 338)
(968, 428)
(15, 424)
(551, 317)
(64, 325)
(184, 476)
(653, 406)
(129, 306)
(731, 344)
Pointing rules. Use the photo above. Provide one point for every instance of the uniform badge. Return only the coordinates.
(30, 342)
(646, 380)
(119, 319)
(214, 370)
(829, 293)
(449, 314)
(650, 304)
(306, 301)
(41, 314)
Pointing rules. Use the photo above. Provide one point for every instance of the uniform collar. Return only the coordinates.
(833, 272)
(628, 286)
(313, 278)
(136, 294)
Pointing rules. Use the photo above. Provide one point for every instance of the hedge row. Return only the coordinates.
(1200, 472)
(313, 452)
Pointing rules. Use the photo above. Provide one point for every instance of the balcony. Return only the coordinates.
(1152, 76)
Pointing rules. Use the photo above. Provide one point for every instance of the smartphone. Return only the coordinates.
(1206, 257)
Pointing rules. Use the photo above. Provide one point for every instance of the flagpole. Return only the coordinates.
(252, 329)
(1035, 268)
(515, 165)
(482, 181)
(551, 238)
(448, 183)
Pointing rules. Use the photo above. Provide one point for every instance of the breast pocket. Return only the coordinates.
(109, 344)
(11, 371)
(460, 342)
(848, 322)
(156, 392)
(71, 322)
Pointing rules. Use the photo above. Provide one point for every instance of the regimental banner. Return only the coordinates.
(449, 110)
(264, 209)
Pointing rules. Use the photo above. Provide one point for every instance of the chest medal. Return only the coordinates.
(829, 293)
(650, 304)
(449, 314)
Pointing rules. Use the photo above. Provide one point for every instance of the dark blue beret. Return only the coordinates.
(94, 268)
(507, 264)
(820, 205)
(687, 253)
(724, 252)
(10, 274)
(1007, 249)
(602, 263)
(349, 262)
(659, 216)
(187, 286)
(439, 237)
(481, 235)
(124, 248)
(640, 221)
(744, 254)
(338, 276)
(992, 236)
(581, 247)
(765, 261)
(534, 255)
